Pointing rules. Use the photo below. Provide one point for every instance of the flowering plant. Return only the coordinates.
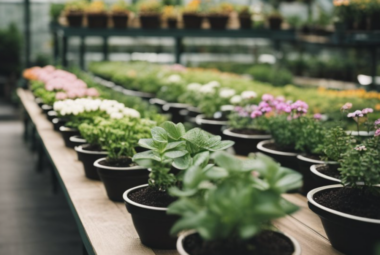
(91, 132)
(234, 200)
(172, 87)
(171, 145)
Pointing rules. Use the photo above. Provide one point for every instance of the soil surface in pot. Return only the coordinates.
(127, 162)
(151, 197)
(329, 171)
(92, 147)
(267, 243)
(351, 201)
(247, 131)
(275, 147)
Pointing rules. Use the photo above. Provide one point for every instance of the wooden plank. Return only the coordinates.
(107, 224)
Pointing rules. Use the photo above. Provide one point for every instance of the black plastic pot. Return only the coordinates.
(119, 179)
(349, 234)
(51, 115)
(275, 23)
(192, 21)
(192, 113)
(304, 165)
(46, 108)
(174, 109)
(58, 122)
(67, 133)
(375, 21)
(172, 23)
(97, 20)
(244, 144)
(211, 126)
(74, 19)
(286, 159)
(158, 102)
(120, 20)
(321, 179)
(39, 101)
(181, 250)
(218, 22)
(88, 159)
(245, 22)
(151, 21)
(76, 140)
(152, 223)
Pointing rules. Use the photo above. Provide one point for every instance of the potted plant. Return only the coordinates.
(248, 123)
(74, 12)
(275, 20)
(244, 15)
(170, 14)
(77, 140)
(345, 13)
(150, 14)
(120, 14)
(227, 208)
(219, 15)
(170, 146)
(211, 98)
(350, 212)
(191, 15)
(56, 10)
(97, 16)
(117, 171)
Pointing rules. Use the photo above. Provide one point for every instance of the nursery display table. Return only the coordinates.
(106, 227)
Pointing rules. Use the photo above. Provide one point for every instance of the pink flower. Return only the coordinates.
(346, 106)
(318, 116)
(377, 132)
(71, 94)
(283, 107)
(256, 114)
(79, 84)
(355, 114)
(300, 106)
(377, 123)
(280, 99)
(92, 92)
(60, 96)
(49, 87)
(367, 110)
(267, 97)
(360, 148)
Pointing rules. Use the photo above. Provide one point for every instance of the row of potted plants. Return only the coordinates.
(170, 149)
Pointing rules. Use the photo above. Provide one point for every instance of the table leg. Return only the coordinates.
(82, 51)
(178, 49)
(105, 48)
(64, 50)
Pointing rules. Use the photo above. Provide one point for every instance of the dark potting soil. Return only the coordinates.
(151, 197)
(247, 131)
(351, 201)
(119, 163)
(267, 243)
(92, 147)
(329, 171)
(273, 146)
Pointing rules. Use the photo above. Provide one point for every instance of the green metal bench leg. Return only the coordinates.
(33, 136)
(26, 127)
(40, 157)
(54, 180)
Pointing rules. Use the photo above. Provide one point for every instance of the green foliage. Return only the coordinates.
(38, 88)
(240, 122)
(310, 136)
(335, 143)
(171, 145)
(10, 50)
(228, 202)
(91, 131)
(55, 11)
(273, 75)
(361, 164)
(284, 131)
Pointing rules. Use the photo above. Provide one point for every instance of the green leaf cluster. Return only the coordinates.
(234, 199)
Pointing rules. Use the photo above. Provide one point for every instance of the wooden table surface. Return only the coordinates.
(107, 225)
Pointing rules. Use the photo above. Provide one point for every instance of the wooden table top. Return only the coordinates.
(108, 225)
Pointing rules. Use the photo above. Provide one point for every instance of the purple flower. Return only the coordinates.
(367, 110)
(267, 97)
(377, 123)
(318, 116)
(377, 132)
(256, 114)
(283, 107)
(264, 107)
(354, 114)
(346, 106)
(300, 106)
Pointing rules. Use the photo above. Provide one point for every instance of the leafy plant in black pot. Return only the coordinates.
(227, 208)
(219, 15)
(192, 15)
(97, 16)
(74, 12)
(244, 15)
(120, 14)
(170, 146)
(150, 14)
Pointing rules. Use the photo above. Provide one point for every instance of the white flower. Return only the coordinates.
(248, 94)
(227, 93)
(174, 78)
(207, 90)
(194, 86)
(213, 84)
(128, 112)
(58, 106)
(235, 99)
(111, 110)
(119, 106)
(116, 115)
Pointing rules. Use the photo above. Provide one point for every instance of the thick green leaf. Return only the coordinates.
(147, 143)
(146, 155)
(201, 159)
(175, 154)
(216, 172)
(174, 131)
(173, 145)
(193, 176)
(182, 162)
(223, 145)
(159, 135)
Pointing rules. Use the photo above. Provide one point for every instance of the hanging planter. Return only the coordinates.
(67, 133)
(190, 239)
(88, 154)
(244, 143)
(119, 179)
(152, 223)
(286, 159)
(304, 166)
(349, 234)
(213, 126)
(325, 174)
